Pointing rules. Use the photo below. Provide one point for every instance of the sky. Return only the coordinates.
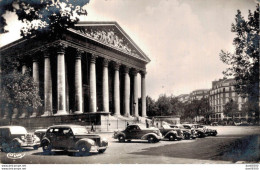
(183, 38)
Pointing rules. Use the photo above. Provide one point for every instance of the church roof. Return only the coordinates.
(112, 35)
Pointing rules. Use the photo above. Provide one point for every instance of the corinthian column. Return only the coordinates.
(105, 86)
(126, 92)
(116, 90)
(135, 104)
(92, 84)
(143, 93)
(61, 84)
(47, 85)
(24, 108)
(78, 83)
(36, 80)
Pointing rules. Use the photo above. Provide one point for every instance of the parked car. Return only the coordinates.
(214, 124)
(13, 138)
(171, 133)
(200, 132)
(187, 133)
(136, 131)
(74, 138)
(208, 131)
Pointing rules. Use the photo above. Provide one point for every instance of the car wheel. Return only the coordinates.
(83, 149)
(101, 150)
(46, 147)
(121, 138)
(151, 139)
(15, 146)
(171, 137)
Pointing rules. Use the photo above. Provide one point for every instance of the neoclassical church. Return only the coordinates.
(91, 70)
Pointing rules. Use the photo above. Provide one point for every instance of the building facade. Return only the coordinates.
(223, 91)
(92, 68)
(199, 94)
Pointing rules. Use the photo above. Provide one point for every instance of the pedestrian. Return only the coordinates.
(92, 127)
(147, 124)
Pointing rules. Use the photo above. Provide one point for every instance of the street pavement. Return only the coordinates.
(231, 145)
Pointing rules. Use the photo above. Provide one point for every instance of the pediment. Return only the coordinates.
(112, 35)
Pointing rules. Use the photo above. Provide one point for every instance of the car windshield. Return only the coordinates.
(18, 130)
(79, 130)
(180, 126)
(166, 126)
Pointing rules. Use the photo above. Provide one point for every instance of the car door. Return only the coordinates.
(130, 132)
(66, 138)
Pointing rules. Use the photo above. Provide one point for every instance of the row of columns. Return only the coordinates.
(61, 86)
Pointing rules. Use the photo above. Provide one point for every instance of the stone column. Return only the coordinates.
(61, 83)
(24, 69)
(47, 85)
(105, 91)
(78, 83)
(143, 93)
(36, 80)
(135, 102)
(116, 90)
(92, 84)
(126, 92)
(24, 108)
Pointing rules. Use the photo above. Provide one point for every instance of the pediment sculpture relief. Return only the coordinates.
(110, 37)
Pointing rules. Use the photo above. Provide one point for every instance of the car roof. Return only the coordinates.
(65, 125)
(10, 127)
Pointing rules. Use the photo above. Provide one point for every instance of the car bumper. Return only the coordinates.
(96, 148)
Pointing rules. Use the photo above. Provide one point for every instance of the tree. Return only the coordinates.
(244, 62)
(151, 106)
(248, 108)
(50, 16)
(231, 109)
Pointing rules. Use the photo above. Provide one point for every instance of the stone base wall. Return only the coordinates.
(31, 124)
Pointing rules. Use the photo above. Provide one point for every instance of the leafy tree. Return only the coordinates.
(248, 108)
(50, 16)
(244, 62)
(151, 107)
(231, 109)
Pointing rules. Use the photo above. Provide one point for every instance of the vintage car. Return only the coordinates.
(13, 138)
(200, 132)
(208, 132)
(171, 133)
(187, 133)
(73, 138)
(136, 131)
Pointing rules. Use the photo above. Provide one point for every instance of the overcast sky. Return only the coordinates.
(182, 38)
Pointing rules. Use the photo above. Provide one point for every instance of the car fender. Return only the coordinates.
(171, 133)
(18, 140)
(86, 141)
(120, 133)
(45, 140)
(144, 137)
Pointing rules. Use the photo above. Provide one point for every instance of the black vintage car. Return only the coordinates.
(13, 138)
(73, 138)
(137, 131)
(188, 133)
(199, 132)
(171, 133)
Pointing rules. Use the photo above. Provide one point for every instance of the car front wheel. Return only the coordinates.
(171, 137)
(83, 149)
(151, 139)
(121, 138)
(46, 147)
